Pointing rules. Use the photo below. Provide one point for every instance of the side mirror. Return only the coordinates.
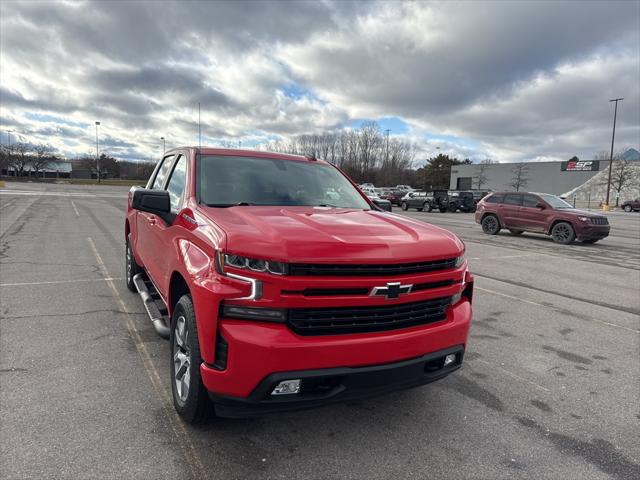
(382, 205)
(541, 206)
(152, 201)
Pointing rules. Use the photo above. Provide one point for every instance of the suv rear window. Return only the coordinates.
(495, 198)
(226, 181)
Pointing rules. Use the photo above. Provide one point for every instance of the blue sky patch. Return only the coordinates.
(43, 117)
(394, 124)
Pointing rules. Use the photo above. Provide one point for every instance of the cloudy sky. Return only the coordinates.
(506, 80)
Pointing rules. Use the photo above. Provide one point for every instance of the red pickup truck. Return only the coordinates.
(281, 286)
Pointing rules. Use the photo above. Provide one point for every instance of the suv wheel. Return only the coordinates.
(404, 206)
(627, 208)
(189, 395)
(516, 232)
(490, 225)
(131, 268)
(427, 206)
(563, 233)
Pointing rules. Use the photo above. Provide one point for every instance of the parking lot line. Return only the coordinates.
(195, 464)
(74, 208)
(56, 282)
(493, 292)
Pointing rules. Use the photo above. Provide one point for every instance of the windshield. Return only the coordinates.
(226, 181)
(555, 202)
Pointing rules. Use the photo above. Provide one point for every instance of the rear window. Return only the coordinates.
(513, 199)
(495, 198)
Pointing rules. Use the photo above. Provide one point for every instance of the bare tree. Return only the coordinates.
(481, 177)
(622, 175)
(20, 159)
(520, 177)
(42, 158)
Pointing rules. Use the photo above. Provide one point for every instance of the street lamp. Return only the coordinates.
(97, 156)
(164, 146)
(613, 136)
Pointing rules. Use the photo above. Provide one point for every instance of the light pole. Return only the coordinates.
(97, 156)
(387, 132)
(613, 137)
(9, 139)
(164, 146)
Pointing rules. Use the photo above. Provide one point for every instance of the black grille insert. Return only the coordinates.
(333, 321)
(351, 270)
(599, 220)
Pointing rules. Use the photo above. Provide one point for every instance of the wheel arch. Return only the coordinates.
(178, 287)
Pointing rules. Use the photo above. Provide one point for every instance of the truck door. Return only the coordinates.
(148, 223)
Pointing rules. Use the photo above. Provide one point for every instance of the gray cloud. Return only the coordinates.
(512, 79)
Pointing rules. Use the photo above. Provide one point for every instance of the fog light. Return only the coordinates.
(287, 387)
(449, 359)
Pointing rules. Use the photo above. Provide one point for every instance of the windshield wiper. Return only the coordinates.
(326, 205)
(227, 205)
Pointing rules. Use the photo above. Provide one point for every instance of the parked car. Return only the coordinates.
(379, 202)
(418, 199)
(539, 213)
(394, 196)
(631, 205)
(276, 297)
(462, 200)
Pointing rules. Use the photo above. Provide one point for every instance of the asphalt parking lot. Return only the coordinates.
(550, 387)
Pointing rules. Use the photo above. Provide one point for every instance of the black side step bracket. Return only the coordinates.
(153, 304)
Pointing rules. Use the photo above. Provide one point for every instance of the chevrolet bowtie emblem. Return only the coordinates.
(391, 290)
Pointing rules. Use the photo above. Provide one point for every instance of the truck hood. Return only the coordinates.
(324, 235)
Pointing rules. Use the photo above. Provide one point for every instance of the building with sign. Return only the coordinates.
(557, 178)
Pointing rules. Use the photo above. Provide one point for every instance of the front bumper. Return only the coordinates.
(590, 232)
(257, 350)
(337, 385)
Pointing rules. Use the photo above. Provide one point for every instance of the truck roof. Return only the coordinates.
(236, 152)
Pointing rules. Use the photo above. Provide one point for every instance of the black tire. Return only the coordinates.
(516, 232)
(453, 207)
(404, 206)
(628, 208)
(563, 233)
(427, 206)
(131, 268)
(490, 225)
(590, 240)
(183, 340)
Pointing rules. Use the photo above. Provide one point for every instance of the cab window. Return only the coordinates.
(161, 173)
(177, 183)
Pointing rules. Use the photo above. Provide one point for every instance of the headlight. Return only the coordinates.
(254, 264)
(583, 219)
(459, 261)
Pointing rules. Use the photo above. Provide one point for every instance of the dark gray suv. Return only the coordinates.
(418, 199)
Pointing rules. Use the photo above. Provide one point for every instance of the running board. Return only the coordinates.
(147, 292)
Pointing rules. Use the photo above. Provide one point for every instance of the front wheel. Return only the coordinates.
(490, 225)
(131, 267)
(405, 206)
(563, 233)
(627, 208)
(189, 395)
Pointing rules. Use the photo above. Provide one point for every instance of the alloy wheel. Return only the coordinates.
(181, 359)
